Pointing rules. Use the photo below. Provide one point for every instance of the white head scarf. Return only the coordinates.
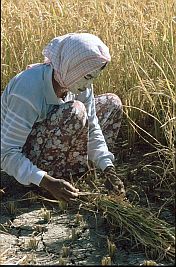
(75, 55)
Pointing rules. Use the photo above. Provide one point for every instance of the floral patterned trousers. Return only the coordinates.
(58, 145)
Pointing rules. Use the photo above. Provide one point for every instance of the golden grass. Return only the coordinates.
(141, 37)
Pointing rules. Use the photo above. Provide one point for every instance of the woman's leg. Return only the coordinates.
(109, 112)
(58, 145)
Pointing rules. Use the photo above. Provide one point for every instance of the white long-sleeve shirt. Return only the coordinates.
(27, 99)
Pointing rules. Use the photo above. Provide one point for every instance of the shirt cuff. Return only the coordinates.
(105, 163)
(37, 177)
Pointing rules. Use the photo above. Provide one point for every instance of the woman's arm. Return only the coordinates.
(18, 117)
(97, 149)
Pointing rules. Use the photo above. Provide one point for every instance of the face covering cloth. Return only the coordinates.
(75, 55)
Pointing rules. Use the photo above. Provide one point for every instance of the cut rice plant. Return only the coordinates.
(65, 251)
(106, 261)
(46, 214)
(12, 209)
(78, 219)
(31, 243)
(130, 222)
(74, 234)
(111, 248)
(140, 224)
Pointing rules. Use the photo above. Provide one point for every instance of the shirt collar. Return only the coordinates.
(51, 97)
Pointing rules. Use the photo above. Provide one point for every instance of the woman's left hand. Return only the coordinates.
(112, 181)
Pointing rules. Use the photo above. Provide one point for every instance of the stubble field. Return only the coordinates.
(141, 37)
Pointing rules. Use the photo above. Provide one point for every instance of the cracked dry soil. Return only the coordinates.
(36, 232)
(27, 236)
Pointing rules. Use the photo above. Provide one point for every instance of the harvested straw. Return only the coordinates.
(137, 223)
(147, 230)
(140, 224)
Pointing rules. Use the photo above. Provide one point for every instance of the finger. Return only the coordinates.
(70, 199)
(71, 187)
(70, 193)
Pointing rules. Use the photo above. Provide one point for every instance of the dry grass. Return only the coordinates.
(147, 230)
(138, 225)
(141, 36)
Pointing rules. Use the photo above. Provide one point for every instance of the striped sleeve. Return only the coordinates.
(97, 149)
(18, 115)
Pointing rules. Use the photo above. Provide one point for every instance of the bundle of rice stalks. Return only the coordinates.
(146, 229)
(135, 223)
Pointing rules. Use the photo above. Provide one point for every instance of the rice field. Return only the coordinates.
(141, 36)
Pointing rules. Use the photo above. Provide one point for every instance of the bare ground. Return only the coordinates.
(36, 232)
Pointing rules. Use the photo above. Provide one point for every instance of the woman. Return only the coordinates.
(49, 119)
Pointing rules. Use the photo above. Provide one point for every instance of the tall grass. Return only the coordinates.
(141, 37)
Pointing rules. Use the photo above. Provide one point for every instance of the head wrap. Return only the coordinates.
(75, 55)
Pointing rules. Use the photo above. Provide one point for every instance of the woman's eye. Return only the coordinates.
(88, 77)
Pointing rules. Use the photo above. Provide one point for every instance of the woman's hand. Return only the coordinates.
(59, 188)
(112, 181)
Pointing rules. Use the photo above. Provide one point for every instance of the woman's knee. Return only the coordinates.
(115, 102)
(78, 105)
(71, 112)
(79, 111)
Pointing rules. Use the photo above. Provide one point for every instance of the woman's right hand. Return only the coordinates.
(59, 188)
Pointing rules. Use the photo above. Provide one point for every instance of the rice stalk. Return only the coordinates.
(106, 261)
(139, 223)
(136, 223)
(141, 38)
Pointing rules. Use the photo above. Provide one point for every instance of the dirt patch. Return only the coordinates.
(66, 238)
(37, 232)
